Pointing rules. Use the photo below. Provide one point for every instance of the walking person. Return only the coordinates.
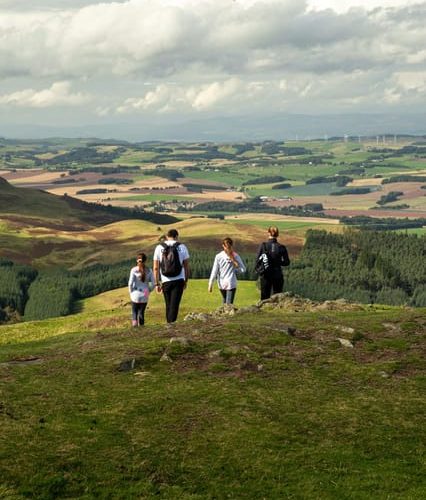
(225, 267)
(171, 272)
(141, 283)
(273, 256)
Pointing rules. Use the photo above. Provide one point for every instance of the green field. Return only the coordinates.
(288, 226)
(240, 409)
(421, 231)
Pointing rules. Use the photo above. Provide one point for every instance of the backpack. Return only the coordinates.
(269, 259)
(263, 262)
(170, 264)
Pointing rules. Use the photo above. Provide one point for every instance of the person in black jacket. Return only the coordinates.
(272, 281)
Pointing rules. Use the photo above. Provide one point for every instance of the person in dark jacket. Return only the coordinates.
(272, 281)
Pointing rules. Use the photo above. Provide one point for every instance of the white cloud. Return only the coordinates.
(228, 38)
(59, 94)
(345, 5)
(170, 98)
(211, 94)
(222, 54)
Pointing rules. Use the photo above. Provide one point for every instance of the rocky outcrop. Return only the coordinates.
(287, 301)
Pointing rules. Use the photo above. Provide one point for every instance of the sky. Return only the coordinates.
(71, 62)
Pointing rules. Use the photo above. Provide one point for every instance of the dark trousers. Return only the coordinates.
(138, 313)
(228, 295)
(172, 291)
(271, 283)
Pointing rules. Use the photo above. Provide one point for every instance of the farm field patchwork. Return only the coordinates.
(237, 166)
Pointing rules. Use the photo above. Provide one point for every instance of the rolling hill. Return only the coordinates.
(39, 208)
(45, 230)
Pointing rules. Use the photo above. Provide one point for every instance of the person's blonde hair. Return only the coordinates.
(273, 231)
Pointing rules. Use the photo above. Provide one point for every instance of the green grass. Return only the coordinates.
(322, 189)
(230, 179)
(318, 420)
(421, 231)
(285, 226)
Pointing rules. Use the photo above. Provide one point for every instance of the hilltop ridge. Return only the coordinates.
(265, 404)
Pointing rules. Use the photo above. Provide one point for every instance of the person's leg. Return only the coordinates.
(167, 287)
(175, 298)
(230, 294)
(141, 318)
(278, 283)
(134, 314)
(223, 293)
(265, 288)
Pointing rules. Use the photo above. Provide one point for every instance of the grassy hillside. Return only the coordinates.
(42, 245)
(37, 207)
(44, 207)
(240, 408)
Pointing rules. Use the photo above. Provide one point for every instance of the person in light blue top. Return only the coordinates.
(225, 268)
(141, 283)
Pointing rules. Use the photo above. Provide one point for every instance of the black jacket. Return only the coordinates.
(277, 253)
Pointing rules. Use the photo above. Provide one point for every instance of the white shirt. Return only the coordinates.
(225, 272)
(183, 255)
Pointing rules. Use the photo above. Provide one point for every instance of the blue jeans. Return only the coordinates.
(228, 295)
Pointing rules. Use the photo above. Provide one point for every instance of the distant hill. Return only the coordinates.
(64, 212)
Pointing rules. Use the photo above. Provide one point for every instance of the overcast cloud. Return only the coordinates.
(210, 57)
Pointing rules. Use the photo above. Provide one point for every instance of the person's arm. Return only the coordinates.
(151, 281)
(131, 281)
(285, 260)
(213, 273)
(234, 260)
(157, 274)
(241, 268)
(185, 264)
(156, 268)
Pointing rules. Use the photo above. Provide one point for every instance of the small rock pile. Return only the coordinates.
(287, 301)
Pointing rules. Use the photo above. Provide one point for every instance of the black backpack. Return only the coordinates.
(263, 263)
(269, 259)
(170, 263)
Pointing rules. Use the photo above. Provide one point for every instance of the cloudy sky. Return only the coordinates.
(86, 61)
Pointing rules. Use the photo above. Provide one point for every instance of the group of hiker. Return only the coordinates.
(170, 273)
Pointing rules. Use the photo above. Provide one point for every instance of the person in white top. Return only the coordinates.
(141, 283)
(225, 267)
(171, 272)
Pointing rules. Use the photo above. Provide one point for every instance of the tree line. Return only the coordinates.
(360, 266)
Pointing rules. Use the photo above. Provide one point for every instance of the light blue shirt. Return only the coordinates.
(138, 289)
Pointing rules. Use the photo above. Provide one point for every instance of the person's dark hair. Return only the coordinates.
(273, 231)
(141, 259)
(172, 233)
(227, 246)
